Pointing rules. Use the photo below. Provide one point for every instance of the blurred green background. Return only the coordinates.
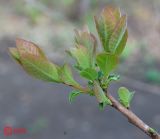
(43, 108)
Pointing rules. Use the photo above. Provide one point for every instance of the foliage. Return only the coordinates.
(73, 95)
(125, 96)
(95, 67)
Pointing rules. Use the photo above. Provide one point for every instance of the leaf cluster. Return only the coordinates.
(96, 67)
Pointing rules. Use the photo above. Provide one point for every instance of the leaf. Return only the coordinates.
(105, 24)
(117, 34)
(73, 95)
(26, 47)
(89, 73)
(81, 55)
(14, 53)
(111, 15)
(100, 95)
(100, 74)
(122, 44)
(106, 81)
(40, 68)
(152, 131)
(34, 61)
(106, 62)
(113, 77)
(102, 32)
(66, 76)
(88, 40)
(90, 85)
(125, 96)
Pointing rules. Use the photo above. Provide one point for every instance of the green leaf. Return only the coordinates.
(122, 44)
(89, 73)
(106, 81)
(81, 55)
(107, 62)
(152, 131)
(100, 74)
(113, 77)
(102, 105)
(102, 32)
(34, 61)
(102, 99)
(125, 96)
(88, 40)
(14, 53)
(73, 95)
(105, 24)
(90, 86)
(66, 75)
(117, 35)
(40, 68)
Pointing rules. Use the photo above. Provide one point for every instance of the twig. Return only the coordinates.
(132, 118)
(82, 89)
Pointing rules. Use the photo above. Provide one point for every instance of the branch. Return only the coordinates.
(82, 89)
(132, 118)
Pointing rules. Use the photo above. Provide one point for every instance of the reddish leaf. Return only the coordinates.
(105, 24)
(117, 34)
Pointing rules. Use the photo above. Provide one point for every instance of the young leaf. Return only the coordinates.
(111, 16)
(89, 73)
(14, 53)
(105, 24)
(100, 95)
(107, 62)
(122, 44)
(40, 68)
(113, 77)
(26, 47)
(73, 95)
(102, 32)
(88, 40)
(152, 131)
(81, 55)
(34, 62)
(117, 34)
(66, 76)
(100, 74)
(106, 81)
(125, 96)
